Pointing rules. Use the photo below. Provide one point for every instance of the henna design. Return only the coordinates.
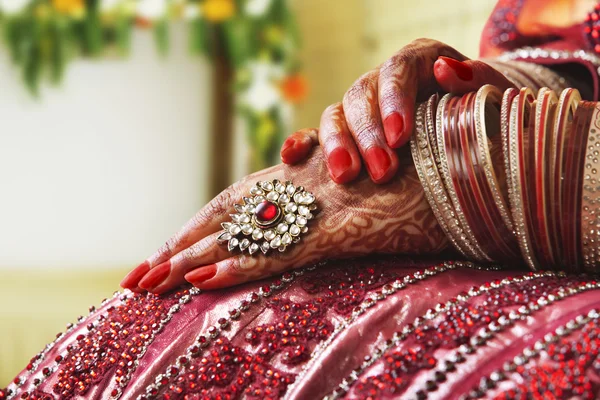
(353, 220)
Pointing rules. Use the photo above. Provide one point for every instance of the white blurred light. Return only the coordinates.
(151, 9)
(13, 6)
(257, 8)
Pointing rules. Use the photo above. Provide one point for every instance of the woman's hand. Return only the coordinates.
(351, 220)
(376, 115)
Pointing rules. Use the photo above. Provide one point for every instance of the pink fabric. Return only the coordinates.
(293, 342)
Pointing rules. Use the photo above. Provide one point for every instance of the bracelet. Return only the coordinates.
(443, 144)
(519, 167)
(514, 176)
(435, 193)
(590, 207)
(567, 105)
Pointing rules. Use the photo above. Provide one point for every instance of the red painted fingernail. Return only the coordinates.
(294, 150)
(462, 70)
(132, 279)
(393, 126)
(201, 275)
(156, 276)
(378, 162)
(340, 162)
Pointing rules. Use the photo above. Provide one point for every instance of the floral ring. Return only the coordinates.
(273, 217)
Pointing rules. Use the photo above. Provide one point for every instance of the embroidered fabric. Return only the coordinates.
(375, 327)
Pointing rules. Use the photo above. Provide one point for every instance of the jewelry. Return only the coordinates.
(531, 53)
(590, 207)
(572, 189)
(486, 136)
(273, 217)
(424, 156)
(567, 104)
(546, 103)
(443, 144)
(520, 110)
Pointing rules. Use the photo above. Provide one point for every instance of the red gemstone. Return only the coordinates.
(266, 211)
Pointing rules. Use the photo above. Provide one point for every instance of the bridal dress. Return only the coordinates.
(384, 327)
(377, 327)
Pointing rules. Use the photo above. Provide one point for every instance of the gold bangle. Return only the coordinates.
(426, 166)
(513, 74)
(484, 150)
(547, 76)
(517, 169)
(590, 204)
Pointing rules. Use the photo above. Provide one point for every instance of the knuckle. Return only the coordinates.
(332, 110)
(364, 126)
(235, 265)
(196, 251)
(168, 247)
(361, 89)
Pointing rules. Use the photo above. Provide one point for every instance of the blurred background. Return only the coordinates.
(121, 118)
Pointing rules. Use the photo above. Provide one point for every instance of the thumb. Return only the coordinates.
(466, 76)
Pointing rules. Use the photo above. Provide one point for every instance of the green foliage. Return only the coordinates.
(43, 36)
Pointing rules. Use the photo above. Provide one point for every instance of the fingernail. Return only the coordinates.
(340, 162)
(293, 150)
(132, 279)
(393, 126)
(462, 70)
(201, 275)
(378, 162)
(156, 276)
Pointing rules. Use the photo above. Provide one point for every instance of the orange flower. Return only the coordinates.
(294, 88)
(218, 10)
(74, 8)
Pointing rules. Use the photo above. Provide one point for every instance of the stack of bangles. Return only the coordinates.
(514, 176)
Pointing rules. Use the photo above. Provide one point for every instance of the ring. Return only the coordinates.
(273, 216)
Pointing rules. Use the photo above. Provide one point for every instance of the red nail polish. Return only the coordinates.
(293, 150)
(462, 70)
(393, 126)
(156, 276)
(201, 275)
(132, 279)
(378, 162)
(340, 162)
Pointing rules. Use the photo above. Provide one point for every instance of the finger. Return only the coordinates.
(466, 76)
(404, 79)
(205, 222)
(240, 269)
(297, 146)
(132, 279)
(341, 154)
(170, 274)
(361, 109)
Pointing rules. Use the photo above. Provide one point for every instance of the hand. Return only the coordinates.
(376, 115)
(351, 220)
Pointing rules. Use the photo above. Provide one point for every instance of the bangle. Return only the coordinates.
(548, 77)
(520, 109)
(486, 136)
(513, 74)
(441, 135)
(590, 206)
(505, 118)
(462, 174)
(567, 105)
(441, 194)
(573, 174)
(541, 147)
(435, 193)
